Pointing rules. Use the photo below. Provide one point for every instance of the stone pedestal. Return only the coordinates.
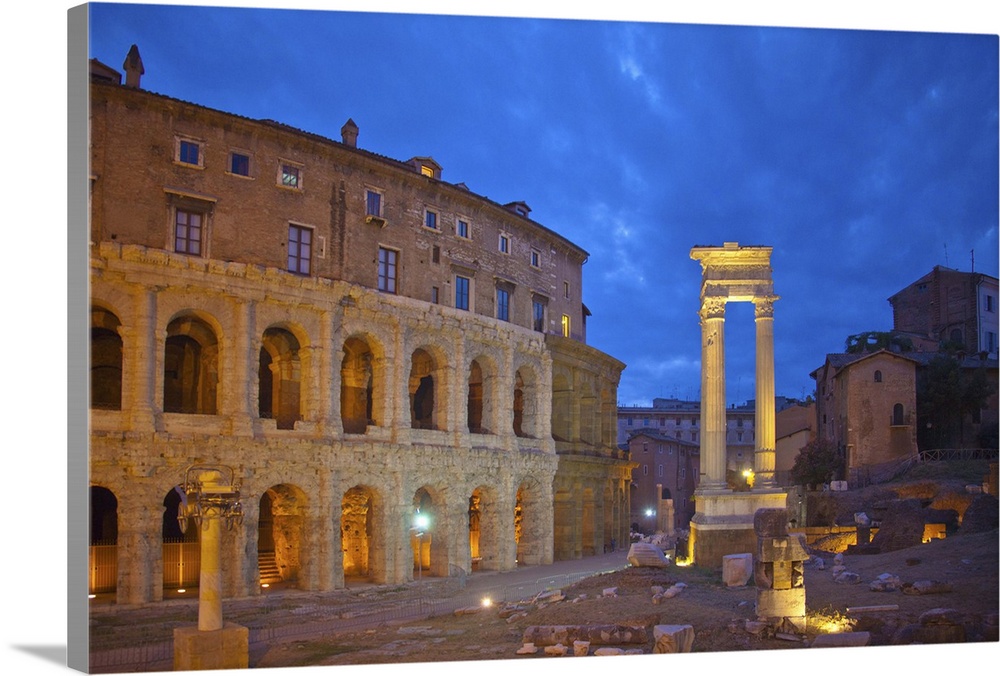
(778, 569)
(225, 648)
(723, 523)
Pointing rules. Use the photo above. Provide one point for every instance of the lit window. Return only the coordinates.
(239, 164)
(536, 258)
(503, 305)
(187, 232)
(387, 270)
(431, 219)
(373, 203)
(504, 244)
(462, 229)
(299, 249)
(427, 171)
(565, 326)
(462, 292)
(291, 176)
(538, 315)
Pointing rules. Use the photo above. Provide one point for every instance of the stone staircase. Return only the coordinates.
(268, 566)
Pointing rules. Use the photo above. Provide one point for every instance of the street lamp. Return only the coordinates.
(420, 524)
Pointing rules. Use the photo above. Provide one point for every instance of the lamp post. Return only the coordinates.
(420, 524)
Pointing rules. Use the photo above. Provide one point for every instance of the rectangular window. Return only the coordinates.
(187, 232)
(536, 258)
(291, 176)
(373, 203)
(504, 245)
(659, 471)
(462, 293)
(239, 164)
(565, 326)
(645, 470)
(299, 249)
(189, 152)
(503, 305)
(683, 472)
(462, 229)
(435, 295)
(431, 219)
(538, 316)
(989, 303)
(387, 266)
(566, 289)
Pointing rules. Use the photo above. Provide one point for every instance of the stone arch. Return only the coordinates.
(280, 389)
(898, 414)
(190, 366)
(281, 534)
(181, 550)
(364, 550)
(103, 552)
(525, 402)
(484, 529)
(105, 359)
(562, 420)
(428, 389)
(429, 541)
(362, 380)
(482, 409)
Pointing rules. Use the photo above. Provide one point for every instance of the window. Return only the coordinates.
(462, 229)
(431, 219)
(462, 292)
(566, 289)
(989, 303)
(187, 232)
(290, 176)
(189, 152)
(503, 305)
(565, 326)
(373, 203)
(536, 258)
(387, 264)
(878, 376)
(628, 421)
(991, 341)
(435, 293)
(645, 447)
(645, 470)
(239, 164)
(538, 315)
(683, 472)
(659, 471)
(299, 249)
(504, 244)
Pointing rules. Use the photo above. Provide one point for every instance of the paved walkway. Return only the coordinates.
(286, 613)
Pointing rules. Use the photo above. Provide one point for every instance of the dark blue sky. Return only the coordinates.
(864, 157)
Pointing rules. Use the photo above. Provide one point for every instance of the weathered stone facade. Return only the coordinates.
(255, 305)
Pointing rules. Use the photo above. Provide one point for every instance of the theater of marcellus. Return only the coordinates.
(356, 339)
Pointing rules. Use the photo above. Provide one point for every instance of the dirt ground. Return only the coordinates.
(718, 614)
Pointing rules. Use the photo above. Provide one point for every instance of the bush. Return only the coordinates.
(817, 463)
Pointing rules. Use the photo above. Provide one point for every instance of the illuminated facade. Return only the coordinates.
(361, 341)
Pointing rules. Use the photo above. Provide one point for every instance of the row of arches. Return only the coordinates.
(483, 531)
(191, 381)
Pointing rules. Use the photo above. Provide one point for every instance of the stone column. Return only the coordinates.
(764, 411)
(237, 370)
(210, 580)
(713, 394)
(139, 370)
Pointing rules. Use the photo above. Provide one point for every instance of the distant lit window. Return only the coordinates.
(189, 152)
(431, 219)
(387, 267)
(565, 326)
(462, 292)
(239, 164)
(462, 229)
(299, 249)
(187, 232)
(426, 170)
(503, 305)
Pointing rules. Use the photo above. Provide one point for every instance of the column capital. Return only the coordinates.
(713, 307)
(764, 307)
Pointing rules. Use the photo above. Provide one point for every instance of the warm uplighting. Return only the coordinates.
(831, 622)
(91, 596)
(181, 591)
(487, 602)
(264, 585)
(682, 562)
(749, 476)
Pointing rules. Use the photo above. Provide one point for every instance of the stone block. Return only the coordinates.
(781, 603)
(672, 638)
(226, 648)
(646, 554)
(737, 569)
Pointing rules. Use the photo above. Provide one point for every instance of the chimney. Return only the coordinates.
(133, 67)
(349, 133)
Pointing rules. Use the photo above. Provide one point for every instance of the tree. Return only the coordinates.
(818, 462)
(948, 396)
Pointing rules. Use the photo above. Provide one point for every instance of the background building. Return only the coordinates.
(666, 469)
(358, 339)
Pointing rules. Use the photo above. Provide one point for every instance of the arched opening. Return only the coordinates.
(190, 367)
(475, 399)
(524, 403)
(356, 530)
(105, 360)
(280, 533)
(279, 390)
(878, 376)
(427, 537)
(357, 387)
(423, 396)
(103, 562)
(484, 544)
(528, 530)
(898, 416)
(181, 551)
